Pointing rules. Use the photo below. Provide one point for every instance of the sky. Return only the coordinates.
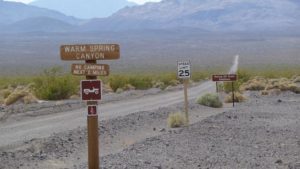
(136, 1)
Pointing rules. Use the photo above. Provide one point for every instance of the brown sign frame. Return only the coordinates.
(224, 78)
(90, 52)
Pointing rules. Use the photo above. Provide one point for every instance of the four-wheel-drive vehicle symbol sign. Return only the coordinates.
(91, 90)
(88, 91)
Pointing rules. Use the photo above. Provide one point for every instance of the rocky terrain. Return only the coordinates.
(262, 132)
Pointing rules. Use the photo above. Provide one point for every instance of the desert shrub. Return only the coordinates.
(274, 91)
(140, 82)
(174, 82)
(210, 100)
(296, 79)
(255, 84)
(228, 86)
(128, 87)
(238, 97)
(176, 120)
(52, 85)
(118, 81)
(13, 82)
(158, 84)
(264, 92)
(167, 78)
(119, 90)
(15, 96)
(198, 76)
(29, 98)
(6, 92)
(22, 94)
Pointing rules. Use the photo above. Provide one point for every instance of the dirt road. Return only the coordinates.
(44, 126)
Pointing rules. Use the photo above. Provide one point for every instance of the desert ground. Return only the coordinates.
(262, 132)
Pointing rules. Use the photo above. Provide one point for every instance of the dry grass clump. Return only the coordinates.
(1, 100)
(210, 100)
(176, 120)
(22, 94)
(274, 92)
(158, 84)
(282, 84)
(255, 84)
(296, 79)
(264, 92)
(129, 87)
(119, 91)
(107, 88)
(238, 97)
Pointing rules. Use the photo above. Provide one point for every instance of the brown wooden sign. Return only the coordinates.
(224, 78)
(90, 69)
(90, 52)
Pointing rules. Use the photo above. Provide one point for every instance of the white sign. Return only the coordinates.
(184, 69)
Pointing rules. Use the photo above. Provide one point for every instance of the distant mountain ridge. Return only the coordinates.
(205, 15)
(85, 9)
(19, 17)
(208, 14)
(11, 12)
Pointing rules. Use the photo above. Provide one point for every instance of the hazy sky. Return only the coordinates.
(136, 1)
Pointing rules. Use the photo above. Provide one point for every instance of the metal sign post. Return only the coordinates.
(232, 94)
(91, 89)
(184, 72)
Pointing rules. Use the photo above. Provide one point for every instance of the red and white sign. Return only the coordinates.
(91, 90)
(92, 111)
(224, 78)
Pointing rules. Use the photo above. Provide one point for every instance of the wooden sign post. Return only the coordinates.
(184, 72)
(91, 88)
(226, 78)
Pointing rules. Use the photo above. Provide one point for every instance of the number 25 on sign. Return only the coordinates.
(184, 69)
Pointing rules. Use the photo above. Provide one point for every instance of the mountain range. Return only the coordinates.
(206, 15)
(84, 9)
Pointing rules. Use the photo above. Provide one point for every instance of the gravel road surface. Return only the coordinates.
(44, 126)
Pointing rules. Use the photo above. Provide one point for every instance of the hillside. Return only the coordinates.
(86, 9)
(218, 15)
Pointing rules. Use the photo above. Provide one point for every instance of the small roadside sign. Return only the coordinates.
(91, 90)
(90, 52)
(224, 78)
(90, 69)
(184, 69)
(92, 111)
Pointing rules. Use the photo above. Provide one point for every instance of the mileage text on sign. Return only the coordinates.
(90, 69)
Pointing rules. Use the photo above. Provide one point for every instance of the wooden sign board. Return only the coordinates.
(91, 90)
(224, 78)
(184, 69)
(90, 69)
(90, 52)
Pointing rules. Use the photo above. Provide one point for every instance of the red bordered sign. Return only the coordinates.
(224, 78)
(91, 90)
(92, 111)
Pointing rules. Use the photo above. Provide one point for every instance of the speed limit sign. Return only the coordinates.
(184, 69)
